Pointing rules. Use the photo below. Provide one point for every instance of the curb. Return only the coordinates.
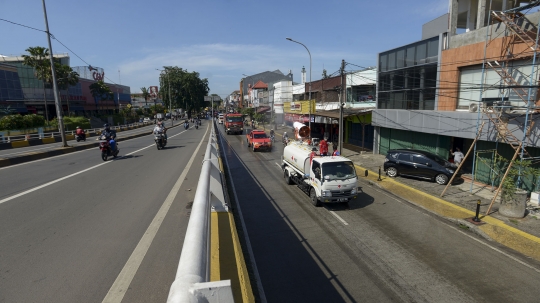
(494, 229)
(32, 156)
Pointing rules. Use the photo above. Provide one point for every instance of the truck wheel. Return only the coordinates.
(313, 196)
(253, 147)
(288, 179)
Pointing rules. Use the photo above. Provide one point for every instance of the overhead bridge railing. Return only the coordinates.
(193, 277)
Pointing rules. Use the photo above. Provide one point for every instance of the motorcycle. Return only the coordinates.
(285, 141)
(272, 138)
(159, 137)
(196, 125)
(186, 125)
(106, 149)
(80, 137)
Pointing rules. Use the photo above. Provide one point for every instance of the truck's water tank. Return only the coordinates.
(297, 155)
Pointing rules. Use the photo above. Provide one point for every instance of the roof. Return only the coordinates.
(260, 84)
(327, 159)
(347, 112)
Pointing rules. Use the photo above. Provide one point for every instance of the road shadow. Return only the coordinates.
(126, 157)
(362, 200)
(290, 269)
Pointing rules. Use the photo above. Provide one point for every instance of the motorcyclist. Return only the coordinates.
(285, 138)
(160, 128)
(80, 133)
(272, 134)
(186, 123)
(109, 135)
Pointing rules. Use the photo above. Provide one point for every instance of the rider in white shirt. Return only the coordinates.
(160, 128)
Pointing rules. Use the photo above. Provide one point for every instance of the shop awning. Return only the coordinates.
(347, 112)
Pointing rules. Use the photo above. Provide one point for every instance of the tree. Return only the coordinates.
(65, 77)
(187, 89)
(39, 61)
(145, 95)
(100, 91)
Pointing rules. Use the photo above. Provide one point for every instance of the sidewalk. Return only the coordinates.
(457, 204)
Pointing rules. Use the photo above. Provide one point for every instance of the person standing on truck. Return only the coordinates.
(323, 147)
(312, 155)
(336, 151)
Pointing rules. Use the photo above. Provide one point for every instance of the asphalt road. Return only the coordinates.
(13, 152)
(379, 249)
(76, 229)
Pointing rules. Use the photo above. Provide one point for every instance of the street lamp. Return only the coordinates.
(170, 100)
(309, 82)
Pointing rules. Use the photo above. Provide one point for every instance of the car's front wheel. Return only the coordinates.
(441, 179)
(392, 172)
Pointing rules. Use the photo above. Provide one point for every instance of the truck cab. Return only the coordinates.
(327, 179)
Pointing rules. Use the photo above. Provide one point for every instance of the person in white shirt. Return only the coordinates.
(458, 156)
(160, 128)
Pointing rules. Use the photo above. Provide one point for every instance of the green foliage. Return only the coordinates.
(71, 123)
(19, 122)
(520, 168)
(100, 91)
(248, 111)
(187, 89)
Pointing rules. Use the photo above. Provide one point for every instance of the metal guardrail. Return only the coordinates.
(9, 139)
(193, 274)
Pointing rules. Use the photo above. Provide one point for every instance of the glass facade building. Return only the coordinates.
(10, 84)
(407, 76)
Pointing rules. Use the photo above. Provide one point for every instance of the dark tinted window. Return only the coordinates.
(404, 157)
(437, 159)
(420, 159)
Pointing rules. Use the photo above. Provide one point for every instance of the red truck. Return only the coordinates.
(258, 140)
(233, 123)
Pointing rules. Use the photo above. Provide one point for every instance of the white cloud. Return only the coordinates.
(224, 64)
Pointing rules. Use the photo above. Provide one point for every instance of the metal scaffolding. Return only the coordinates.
(520, 42)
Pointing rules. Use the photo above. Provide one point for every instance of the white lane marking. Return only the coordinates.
(278, 165)
(74, 174)
(338, 217)
(57, 144)
(122, 282)
(80, 151)
(50, 183)
(475, 239)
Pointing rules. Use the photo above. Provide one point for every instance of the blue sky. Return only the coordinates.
(220, 39)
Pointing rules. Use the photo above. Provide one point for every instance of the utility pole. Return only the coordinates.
(341, 104)
(55, 86)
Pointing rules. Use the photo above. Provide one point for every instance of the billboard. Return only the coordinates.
(153, 90)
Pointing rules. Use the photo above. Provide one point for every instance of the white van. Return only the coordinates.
(220, 118)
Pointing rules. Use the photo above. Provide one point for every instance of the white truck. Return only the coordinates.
(325, 179)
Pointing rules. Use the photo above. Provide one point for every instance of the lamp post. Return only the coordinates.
(309, 81)
(170, 100)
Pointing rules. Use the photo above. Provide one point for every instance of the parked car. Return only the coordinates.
(419, 164)
(146, 119)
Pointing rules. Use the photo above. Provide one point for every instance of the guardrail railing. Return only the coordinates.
(8, 138)
(192, 282)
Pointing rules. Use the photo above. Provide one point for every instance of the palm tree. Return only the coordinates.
(66, 77)
(145, 95)
(38, 59)
(100, 91)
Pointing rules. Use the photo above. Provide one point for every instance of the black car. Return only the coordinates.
(419, 164)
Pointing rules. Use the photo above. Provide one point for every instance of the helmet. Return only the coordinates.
(78, 127)
(284, 133)
(106, 126)
(272, 129)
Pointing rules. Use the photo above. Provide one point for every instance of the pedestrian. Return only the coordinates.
(458, 156)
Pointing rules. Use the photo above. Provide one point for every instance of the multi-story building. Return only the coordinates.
(473, 67)
(38, 97)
